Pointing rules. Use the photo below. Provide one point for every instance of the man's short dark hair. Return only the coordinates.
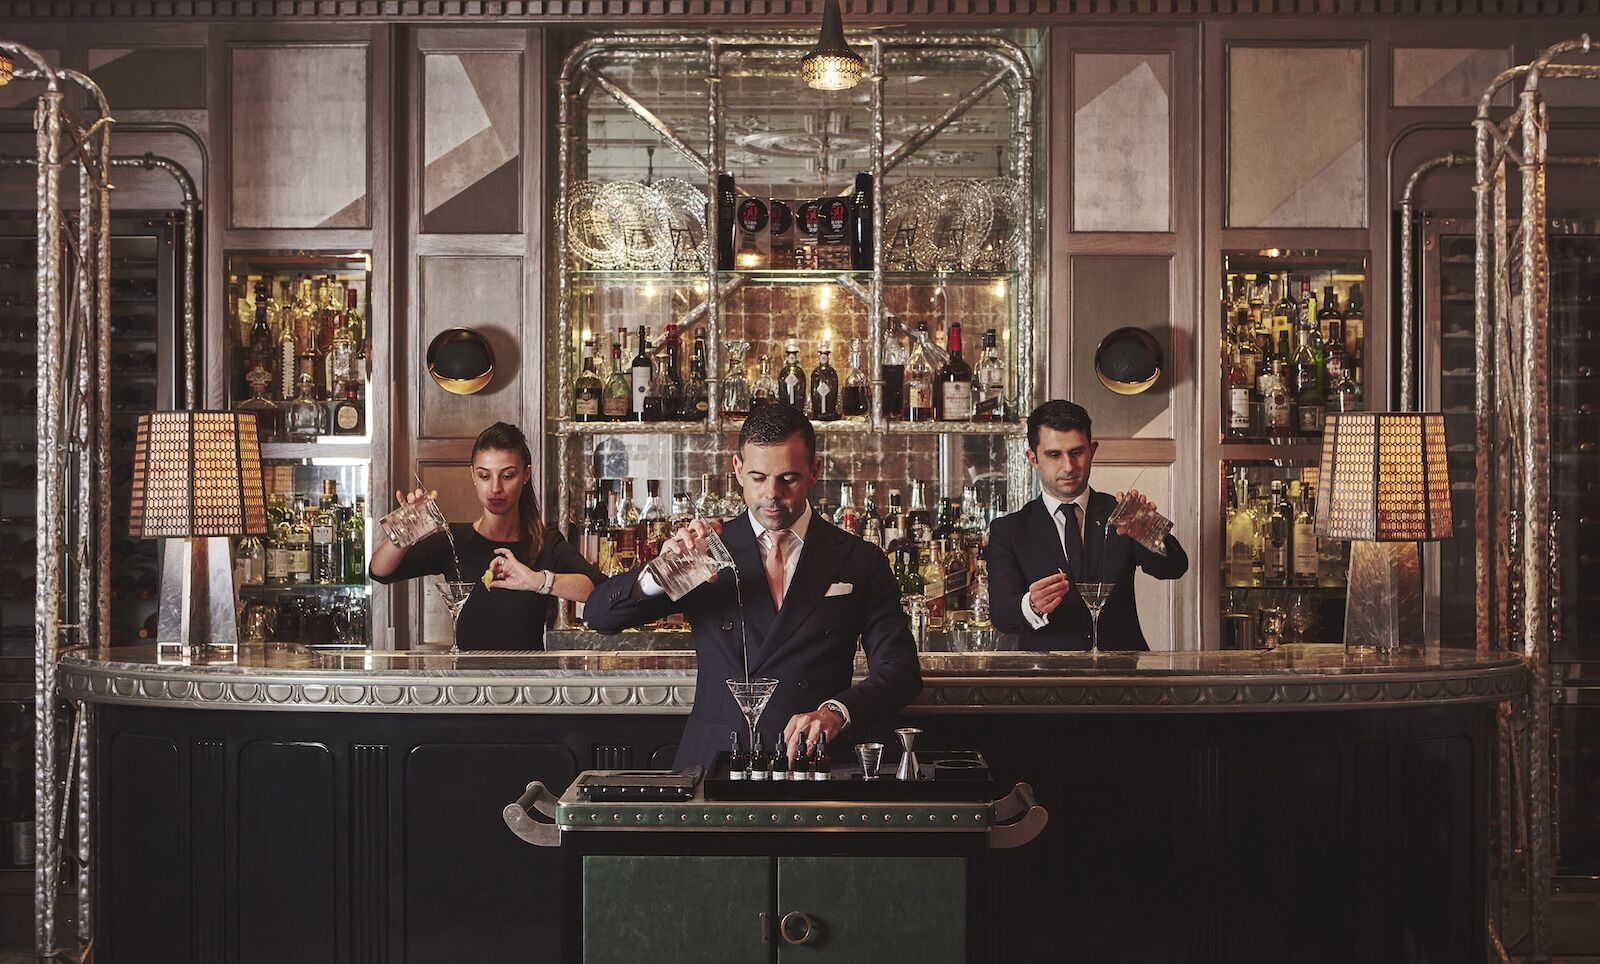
(1061, 415)
(775, 424)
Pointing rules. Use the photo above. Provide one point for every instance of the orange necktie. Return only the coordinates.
(774, 564)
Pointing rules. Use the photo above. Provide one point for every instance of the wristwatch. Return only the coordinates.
(838, 708)
(549, 580)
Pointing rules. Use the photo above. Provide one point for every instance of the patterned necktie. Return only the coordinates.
(774, 564)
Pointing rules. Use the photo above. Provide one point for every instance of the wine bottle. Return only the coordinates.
(861, 237)
(919, 377)
(617, 395)
(953, 399)
(696, 404)
(586, 391)
(727, 203)
(641, 370)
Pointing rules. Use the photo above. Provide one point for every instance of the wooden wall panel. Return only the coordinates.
(485, 294)
(472, 142)
(150, 78)
(1121, 145)
(1107, 294)
(288, 854)
(1288, 167)
(299, 144)
(1446, 76)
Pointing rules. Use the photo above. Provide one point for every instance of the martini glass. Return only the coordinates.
(455, 593)
(752, 696)
(1094, 596)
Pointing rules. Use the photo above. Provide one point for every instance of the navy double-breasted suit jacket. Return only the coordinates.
(808, 645)
(1025, 547)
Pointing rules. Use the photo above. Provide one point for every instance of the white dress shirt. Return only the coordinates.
(1052, 505)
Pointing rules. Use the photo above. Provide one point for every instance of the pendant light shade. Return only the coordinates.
(831, 64)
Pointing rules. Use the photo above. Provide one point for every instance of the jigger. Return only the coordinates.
(908, 758)
(869, 754)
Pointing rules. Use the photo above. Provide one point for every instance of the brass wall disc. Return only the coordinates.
(1128, 361)
(461, 361)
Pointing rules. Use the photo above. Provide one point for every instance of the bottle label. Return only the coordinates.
(1276, 564)
(822, 392)
(300, 565)
(322, 534)
(1335, 367)
(957, 400)
(1239, 409)
(791, 388)
(348, 416)
(1278, 409)
(919, 395)
(1305, 550)
(277, 564)
(616, 406)
(587, 405)
(641, 388)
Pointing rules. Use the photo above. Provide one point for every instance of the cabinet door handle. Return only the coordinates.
(797, 928)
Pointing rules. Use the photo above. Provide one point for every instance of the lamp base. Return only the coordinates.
(1383, 600)
(197, 616)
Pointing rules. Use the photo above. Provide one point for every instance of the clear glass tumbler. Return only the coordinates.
(410, 524)
(1144, 524)
(680, 573)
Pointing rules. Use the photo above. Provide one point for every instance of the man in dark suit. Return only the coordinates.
(810, 590)
(1037, 554)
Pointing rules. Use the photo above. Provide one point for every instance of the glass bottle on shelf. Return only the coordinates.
(732, 497)
(277, 539)
(305, 418)
(670, 357)
(300, 545)
(324, 565)
(1303, 566)
(848, 516)
(268, 415)
(1280, 534)
(341, 352)
(250, 561)
(288, 360)
(651, 530)
(1329, 316)
(625, 522)
(792, 378)
(735, 384)
(640, 372)
(261, 340)
(893, 370)
(1308, 393)
(857, 393)
(824, 387)
(1241, 529)
(348, 412)
(1240, 396)
(1277, 404)
(953, 389)
(587, 390)
(989, 383)
(1355, 339)
(1341, 391)
(1284, 309)
(353, 537)
(707, 506)
(696, 405)
(765, 389)
(919, 376)
(617, 394)
(1307, 312)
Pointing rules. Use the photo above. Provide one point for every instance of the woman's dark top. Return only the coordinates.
(502, 618)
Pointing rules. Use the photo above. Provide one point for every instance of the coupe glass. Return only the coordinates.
(1094, 596)
(752, 696)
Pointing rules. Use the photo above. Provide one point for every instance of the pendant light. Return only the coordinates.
(831, 64)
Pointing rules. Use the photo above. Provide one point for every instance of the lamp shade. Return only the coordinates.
(197, 474)
(831, 64)
(1384, 478)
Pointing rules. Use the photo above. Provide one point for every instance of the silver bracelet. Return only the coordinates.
(549, 581)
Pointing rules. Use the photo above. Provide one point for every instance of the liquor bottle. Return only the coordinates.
(894, 522)
(919, 379)
(616, 398)
(356, 325)
(732, 497)
(736, 384)
(304, 417)
(727, 203)
(1307, 313)
(348, 413)
(869, 503)
(341, 357)
(918, 514)
(306, 328)
(250, 562)
(979, 604)
(1309, 399)
(1240, 396)
(640, 371)
(1341, 391)
(1330, 317)
(625, 525)
(354, 536)
(696, 403)
(821, 767)
(587, 390)
(1241, 529)
(1280, 535)
(707, 506)
(953, 397)
(857, 393)
(765, 389)
(893, 370)
(659, 396)
(930, 572)
(288, 359)
(300, 545)
(324, 566)
(651, 530)
(989, 383)
(738, 760)
(1355, 339)
(1260, 305)
(1266, 358)
(277, 539)
(1284, 310)
(792, 378)
(824, 387)
(269, 417)
(672, 399)
(681, 512)
(848, 516)
(1250, 351)
(261, 341)
(861, 238)
(1303, 565)
(1277, 404)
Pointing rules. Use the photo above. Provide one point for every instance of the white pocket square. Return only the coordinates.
(840, 589)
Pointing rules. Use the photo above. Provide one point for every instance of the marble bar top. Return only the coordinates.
(288, 677)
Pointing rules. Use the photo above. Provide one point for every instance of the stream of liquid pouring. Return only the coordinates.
(454, 555)
(744, 647)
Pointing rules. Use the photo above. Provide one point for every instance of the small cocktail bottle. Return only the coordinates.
(780, 761)
(758, 761)
(738, 760)
(801, 768)
(820, 768)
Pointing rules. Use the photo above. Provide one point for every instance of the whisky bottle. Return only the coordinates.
(696, 403)
(792, 378)
(269, 417)
(857, 393)
(348, 413)
(300, 545)
(651, 530)
(989, 383)
(1280, 534)
(1308, 395)
(641, 371)
(1240, 396)
(919, 379)
(617, 394)
(625, 526)
(586, 391)
(277, 539)
(1303, 565)
(824, 387)
(953, 401)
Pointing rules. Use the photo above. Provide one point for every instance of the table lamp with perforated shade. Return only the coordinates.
(196, 482)
(1385, 486)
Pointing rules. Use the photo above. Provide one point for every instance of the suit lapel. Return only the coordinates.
(811, 573)
(1094, 535)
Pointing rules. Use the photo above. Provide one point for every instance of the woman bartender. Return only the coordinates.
(530, 564)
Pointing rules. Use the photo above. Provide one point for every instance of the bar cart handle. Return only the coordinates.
(1018, 818)
(523, 824)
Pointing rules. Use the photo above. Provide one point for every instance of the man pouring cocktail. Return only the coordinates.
(806, 592)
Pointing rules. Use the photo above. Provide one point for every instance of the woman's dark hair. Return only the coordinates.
(1060, 415)
(775, 424)
(504, 437)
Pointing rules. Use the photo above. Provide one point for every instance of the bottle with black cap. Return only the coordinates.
(801, 768)
(759, 763)
(820, 767)
(738, 760)
(861, 237)
(780, 761)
